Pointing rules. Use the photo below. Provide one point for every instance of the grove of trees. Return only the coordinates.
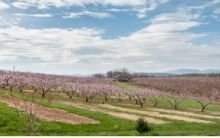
(122, 75)
(204, 90)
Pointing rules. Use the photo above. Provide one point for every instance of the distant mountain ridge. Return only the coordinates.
(193, 71)
(178, 72)
(175, 72)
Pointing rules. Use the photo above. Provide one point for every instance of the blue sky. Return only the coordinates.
(89, 36)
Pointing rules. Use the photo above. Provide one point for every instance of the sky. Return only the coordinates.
(91, 36)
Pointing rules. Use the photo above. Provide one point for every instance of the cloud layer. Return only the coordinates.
(165, 41)
(85, 47)
(3, 5)
(87, 13)
(141, 7)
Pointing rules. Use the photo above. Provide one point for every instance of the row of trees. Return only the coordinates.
(121, 75)
(204, 90)
(88, 88)
(174, 89)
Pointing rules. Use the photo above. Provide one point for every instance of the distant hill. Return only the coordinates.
(193, 71)
(177, 72)
(157, 74)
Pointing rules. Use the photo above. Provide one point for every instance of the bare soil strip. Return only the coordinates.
(155, 114)
(45, 113)
(185, 113)
(122, 97)
(28, 90)
(131, 117)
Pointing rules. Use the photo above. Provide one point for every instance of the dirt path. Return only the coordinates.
(155, 114)
(185, 113)
(45, 113)
(115, 114)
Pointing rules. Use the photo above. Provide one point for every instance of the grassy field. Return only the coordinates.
(10, 124)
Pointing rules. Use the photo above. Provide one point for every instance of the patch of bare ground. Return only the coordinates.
(155, 114)
(131, 117)
(122, 97)
(185, 113)
(45, 113)
(28, 90)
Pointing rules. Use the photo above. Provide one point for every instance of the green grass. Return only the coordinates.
(126, 85)
(106, 127)
(10, 124)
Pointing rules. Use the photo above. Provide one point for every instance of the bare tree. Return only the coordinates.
(26, 113)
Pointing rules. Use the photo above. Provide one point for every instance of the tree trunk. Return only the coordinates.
(175, 107)
(155, 102)
(11, 89)
(4, 87)
(136, 101)
(106, 98)
(141, 104)
(119, 99)
(20, 90)
(87, 99)
(43, 95)
(70, 96)
(203, 108)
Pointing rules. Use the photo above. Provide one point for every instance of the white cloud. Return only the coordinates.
(141, 13)
(88, 13)
(162, 45)
(159, 46)
(177, 16)
(45, 44)
(62, 49)
(3, 5)
(201, 6)
(216, 15)
(66, 3)
(217, 11)
(139, 6)
(216, 1)
(180, 20)
(142, 9)
(172, 26)
(150, 5)
(35, 15)
(7, 21)
(118, 10)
